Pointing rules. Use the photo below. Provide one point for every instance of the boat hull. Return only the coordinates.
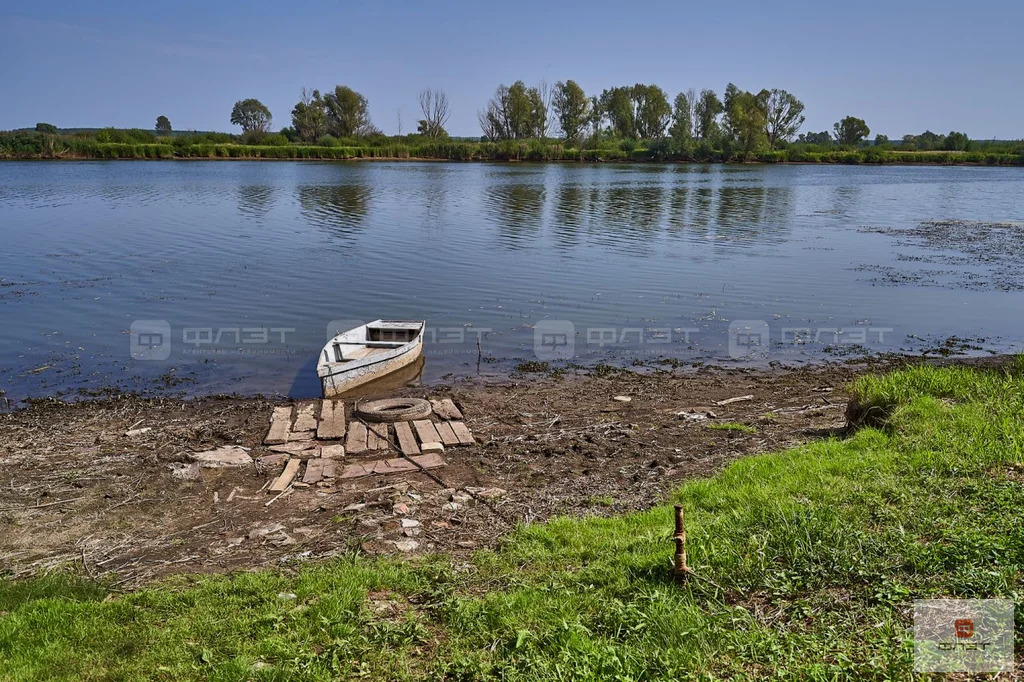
(347, 379)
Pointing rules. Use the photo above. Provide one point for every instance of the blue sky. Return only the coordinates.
(902, 66)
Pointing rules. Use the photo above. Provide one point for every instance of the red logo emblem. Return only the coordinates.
(964, 627)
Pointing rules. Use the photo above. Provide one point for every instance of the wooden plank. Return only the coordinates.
(300, 448)
(464, 434)
(380, 435)
(286, 477)
(446, 409)
(426, 431)
(280, 425)
(332, 420)
(406, 441)
(314, 471)
(392, 466)
(305, 418)
(448, 436)
(356, 441)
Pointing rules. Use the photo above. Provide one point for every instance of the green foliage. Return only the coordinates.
(706, 113)
(784, 114)
(163, 125)
(617, 107)
(653, 112)
(573, 109)
(47, 128)
(253, 117)
(745, 120)
(309, 116)
(347, 112)
(682, 121)
(851, 130)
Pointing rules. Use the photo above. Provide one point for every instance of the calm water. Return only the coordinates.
(644, 263)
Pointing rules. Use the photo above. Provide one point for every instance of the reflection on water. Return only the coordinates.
(492, 248)
(339, 208)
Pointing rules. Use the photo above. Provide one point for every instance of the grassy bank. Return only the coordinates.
(39, 146)
(808, 561)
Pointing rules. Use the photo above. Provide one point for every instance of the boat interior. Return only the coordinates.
(378, 338)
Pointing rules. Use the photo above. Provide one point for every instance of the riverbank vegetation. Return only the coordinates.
(539, 123)
(805, 565)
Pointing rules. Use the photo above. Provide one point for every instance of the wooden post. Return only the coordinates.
(681, 570)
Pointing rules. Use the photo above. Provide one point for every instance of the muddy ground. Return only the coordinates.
(78, 491)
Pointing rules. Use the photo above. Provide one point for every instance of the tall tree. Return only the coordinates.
(745, 118)
(851, 130)
(309, 117)
(252, 115)
(682, 120)
(572, 108)
(706, 113)
(510, 113)
(540, 100)
(784, 114)
(956, 142)
(163, 125)
(617, 106)
(652, 111)
(435, 108)
(347, 112)
(48, 128)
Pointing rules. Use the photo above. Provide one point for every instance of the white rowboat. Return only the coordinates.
(368, 352)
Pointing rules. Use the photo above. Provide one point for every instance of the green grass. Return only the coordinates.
(733, 427)
(808, 561)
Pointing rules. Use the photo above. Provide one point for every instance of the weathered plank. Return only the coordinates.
(356, 440)
(297, 448)
(426, 431)
(305, 418)
(332, 420)
(333, 452)
(379, 432)
(286, 477)
(448, 436)
(392, 466)
(314, 471)
(280, 425)
(432, 447)
(464, 434)
(446, 409)
(406, 441)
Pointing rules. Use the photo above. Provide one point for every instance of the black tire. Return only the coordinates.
(394, 410)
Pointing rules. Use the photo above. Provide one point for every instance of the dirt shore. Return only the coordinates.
(87, 486)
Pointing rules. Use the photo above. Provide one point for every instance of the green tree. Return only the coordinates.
(510, 113)
(851, 130)
(784, 114)
(617, 107)
(824, 138)
(956, 142)
(309, 116)
(573, 109)
(682, 119)
(47, 128)
(252, 115)
(539, 114)
(706, 113)
(745, 118)
(163, 125)
(652, 113)
(882, 141)
(347, 112)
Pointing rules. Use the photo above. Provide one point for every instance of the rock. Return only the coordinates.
(333, 451)
(266, 530)
(186, 472)
(431, 447)
(691, 416)
(138, 432)
(228, 456)
(461, 498)
(451, 507)
(272, 461)
(466, 544)
(297, 448)
(622, 399)
(401, 508)
(406, 545)
(492, 493)
(410, 523)
(287, 596)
